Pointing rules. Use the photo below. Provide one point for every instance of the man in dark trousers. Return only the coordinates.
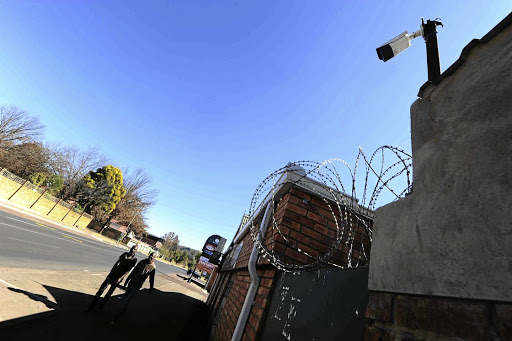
(144, 269)
(123, 265)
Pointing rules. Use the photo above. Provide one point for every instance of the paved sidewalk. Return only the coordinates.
(42, 303)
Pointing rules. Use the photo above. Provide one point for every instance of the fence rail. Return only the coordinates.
(34, 188)
(8, 175)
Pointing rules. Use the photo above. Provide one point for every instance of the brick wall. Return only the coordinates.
(305, 222)
(26, 195)
(308, 223)
(393, 316)
(229, 304)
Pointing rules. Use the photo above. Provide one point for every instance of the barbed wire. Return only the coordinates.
(321, 178)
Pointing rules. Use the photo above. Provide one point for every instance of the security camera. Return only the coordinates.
(397, 44)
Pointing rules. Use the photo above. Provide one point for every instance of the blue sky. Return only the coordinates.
(210, 97)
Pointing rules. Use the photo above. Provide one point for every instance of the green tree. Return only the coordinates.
(54, 183)
(197, 256)
(178, 256)
(37, 179)
(72, 164)
(102, 189)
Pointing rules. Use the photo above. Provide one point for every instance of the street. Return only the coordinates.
(49, 274)
(28, 244)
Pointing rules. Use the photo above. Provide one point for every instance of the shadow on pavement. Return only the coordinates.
(168, 315)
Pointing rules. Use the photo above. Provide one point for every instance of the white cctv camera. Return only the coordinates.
(397, 44)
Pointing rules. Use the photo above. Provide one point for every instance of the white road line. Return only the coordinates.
(26, 241)
(43, 234)
(65, 239)
(85, 239)
(33, 222)
(21, 221)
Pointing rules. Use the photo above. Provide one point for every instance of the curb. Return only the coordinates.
(26, 212)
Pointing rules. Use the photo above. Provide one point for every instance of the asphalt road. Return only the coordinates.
(27, 244)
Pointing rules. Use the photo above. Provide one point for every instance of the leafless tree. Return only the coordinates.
(18, 126)
(140, 196)
(171, 241)
(73, 164)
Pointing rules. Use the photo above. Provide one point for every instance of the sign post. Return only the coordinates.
(213, 243)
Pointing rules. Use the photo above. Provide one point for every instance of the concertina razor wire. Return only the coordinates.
(394, 177)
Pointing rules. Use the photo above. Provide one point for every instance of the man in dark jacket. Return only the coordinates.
(144, 269)
(123, 265)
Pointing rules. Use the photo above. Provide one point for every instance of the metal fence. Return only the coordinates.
(6, 174)
(34, 188)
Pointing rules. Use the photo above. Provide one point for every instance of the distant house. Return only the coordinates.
(147, 243)
(152, 240)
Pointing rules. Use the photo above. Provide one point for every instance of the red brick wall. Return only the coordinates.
(394, 316)
(235, 297)
(307, 223)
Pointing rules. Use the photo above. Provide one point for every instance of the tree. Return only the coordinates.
(53, 183)
(102, 189)
(18, 126)
(72, 164)
(178, 255)
(37, 179)
(171, 241)
(24, 159)
(139, 197)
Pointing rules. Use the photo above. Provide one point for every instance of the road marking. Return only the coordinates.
(33, 222)
(43, 234)
(21, 221)
(26, 241)
(98, 275)
(50, 236)
(51, 228)
(72, 238)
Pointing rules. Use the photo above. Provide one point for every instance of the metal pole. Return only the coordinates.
(38, 199)
(433, 63)
(192, 274)
(23, 184)
(53, 207)
(67, 213)
(79, 217)
(128, 227)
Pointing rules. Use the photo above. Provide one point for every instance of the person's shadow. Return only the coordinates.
(159, 314)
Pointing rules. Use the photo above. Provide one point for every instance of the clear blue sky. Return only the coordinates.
(210, 97)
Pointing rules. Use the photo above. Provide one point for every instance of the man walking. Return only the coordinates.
(144, 269)
(123, 265)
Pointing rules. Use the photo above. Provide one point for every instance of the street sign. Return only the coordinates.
(212, 245)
